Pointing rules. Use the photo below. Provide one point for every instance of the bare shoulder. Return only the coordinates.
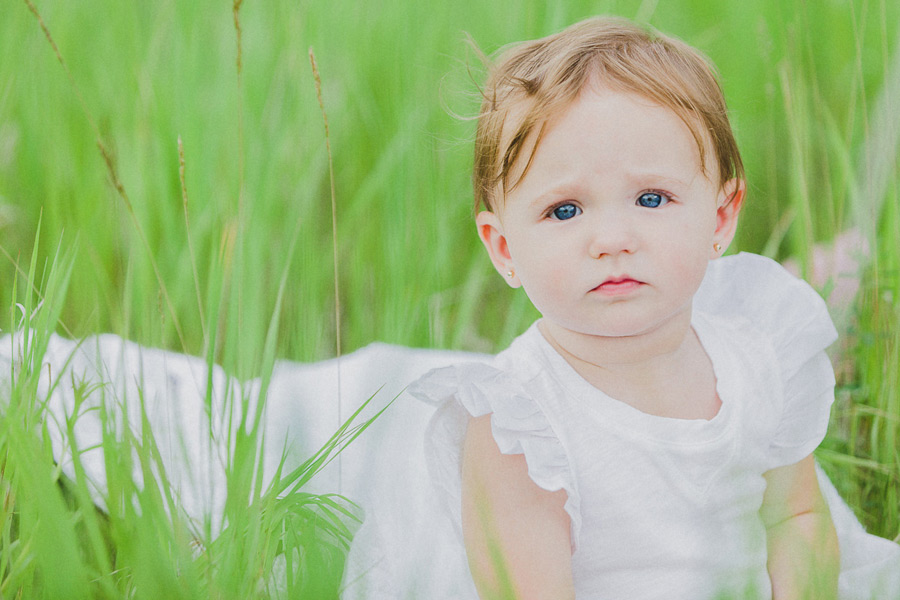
(514, 531)
(500, 477)
(483, 460)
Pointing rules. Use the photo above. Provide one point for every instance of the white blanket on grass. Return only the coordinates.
(305, 405)
(383, 470)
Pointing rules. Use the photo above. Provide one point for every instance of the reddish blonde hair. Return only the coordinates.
(531, 82)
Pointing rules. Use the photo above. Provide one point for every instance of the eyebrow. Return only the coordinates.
(643, 176)
(572, 188)
(567, 188)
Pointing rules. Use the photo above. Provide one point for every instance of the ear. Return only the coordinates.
(730, 201)
(490, 230)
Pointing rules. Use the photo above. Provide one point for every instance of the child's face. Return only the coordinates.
(611, 229)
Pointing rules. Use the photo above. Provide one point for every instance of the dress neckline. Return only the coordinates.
(629, 418)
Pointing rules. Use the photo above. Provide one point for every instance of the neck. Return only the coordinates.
(621, 355)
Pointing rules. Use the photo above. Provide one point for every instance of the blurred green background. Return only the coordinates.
(798, 77)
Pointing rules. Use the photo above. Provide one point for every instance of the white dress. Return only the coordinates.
(659, 507)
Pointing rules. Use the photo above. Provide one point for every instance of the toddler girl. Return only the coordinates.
(651, 435)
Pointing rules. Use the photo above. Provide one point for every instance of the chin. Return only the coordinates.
(621, 329)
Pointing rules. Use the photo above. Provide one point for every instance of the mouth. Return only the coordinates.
(617, 286)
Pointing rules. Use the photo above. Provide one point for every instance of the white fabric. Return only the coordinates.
(305, 404)
(659, 507)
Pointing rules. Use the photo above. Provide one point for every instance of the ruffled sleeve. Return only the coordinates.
(762, 296)
(518, 424)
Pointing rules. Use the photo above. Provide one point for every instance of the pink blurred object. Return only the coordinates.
(838, 266)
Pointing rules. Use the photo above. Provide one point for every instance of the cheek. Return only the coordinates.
(694, 233)
(529, 252)
(689, 246)
(543, 273)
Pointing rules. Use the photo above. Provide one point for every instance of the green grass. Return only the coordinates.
(272, 540)
(236, 265)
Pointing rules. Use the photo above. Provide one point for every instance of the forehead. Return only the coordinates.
(610, 131)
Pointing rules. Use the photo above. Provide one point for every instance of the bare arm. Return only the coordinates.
(804, 561)
(516, 534)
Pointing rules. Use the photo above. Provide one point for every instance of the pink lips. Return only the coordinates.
(617, 286)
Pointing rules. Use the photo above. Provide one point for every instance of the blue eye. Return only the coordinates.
(652, 199)
(565, 212)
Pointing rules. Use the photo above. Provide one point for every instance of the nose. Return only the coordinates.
(611, 233)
